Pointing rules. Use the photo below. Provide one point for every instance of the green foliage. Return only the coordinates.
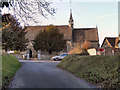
(16, 52)
(49, 40)
(100, 70)
(13, 35)
(10, 65)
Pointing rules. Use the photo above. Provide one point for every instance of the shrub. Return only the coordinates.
(16, 52)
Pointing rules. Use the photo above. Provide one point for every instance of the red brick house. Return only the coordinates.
(110, 44)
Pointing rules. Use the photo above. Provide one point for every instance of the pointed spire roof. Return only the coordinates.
(71, 18)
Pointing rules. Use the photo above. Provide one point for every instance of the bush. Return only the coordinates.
(16, 52)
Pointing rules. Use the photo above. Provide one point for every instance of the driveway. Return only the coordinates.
(46, 75)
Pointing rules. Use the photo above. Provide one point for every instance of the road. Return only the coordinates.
(46, 75)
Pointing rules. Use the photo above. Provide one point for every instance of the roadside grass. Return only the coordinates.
(0, 72)
(99, 70)
(10, 65)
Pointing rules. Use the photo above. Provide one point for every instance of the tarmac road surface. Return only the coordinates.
(46, 75)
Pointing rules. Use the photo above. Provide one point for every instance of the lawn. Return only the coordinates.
(10, 65)
(99, 70)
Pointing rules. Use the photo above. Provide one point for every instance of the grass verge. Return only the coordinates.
(99, 70)
(10, 65)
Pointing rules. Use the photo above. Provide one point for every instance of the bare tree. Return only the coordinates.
(26, 9)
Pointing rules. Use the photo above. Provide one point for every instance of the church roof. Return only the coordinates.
(71, 18)
(32, 31)
(88, 34)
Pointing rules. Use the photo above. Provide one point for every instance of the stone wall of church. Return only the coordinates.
(30, 47)
(95, 44)
(69, 45)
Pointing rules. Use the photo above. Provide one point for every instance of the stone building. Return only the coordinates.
(73, 36)
(32, 31)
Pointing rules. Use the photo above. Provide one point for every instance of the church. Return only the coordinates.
(73, 36)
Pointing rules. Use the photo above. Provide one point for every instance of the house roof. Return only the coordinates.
(112, 41)
(32, 31)
(89, 34)
(118, 42)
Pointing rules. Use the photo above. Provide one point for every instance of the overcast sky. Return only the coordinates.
(85, 15)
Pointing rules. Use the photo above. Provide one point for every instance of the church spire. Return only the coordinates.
(71, 21)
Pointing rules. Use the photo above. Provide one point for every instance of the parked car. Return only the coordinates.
(60, 57)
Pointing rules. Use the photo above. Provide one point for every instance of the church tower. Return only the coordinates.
(71, 21)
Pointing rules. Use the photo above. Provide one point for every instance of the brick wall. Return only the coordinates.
(108, 51)
(117, 51)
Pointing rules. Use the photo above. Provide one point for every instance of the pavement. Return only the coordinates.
(45, 74)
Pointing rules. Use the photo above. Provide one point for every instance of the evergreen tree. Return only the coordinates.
(13, 35)
(49, 40)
